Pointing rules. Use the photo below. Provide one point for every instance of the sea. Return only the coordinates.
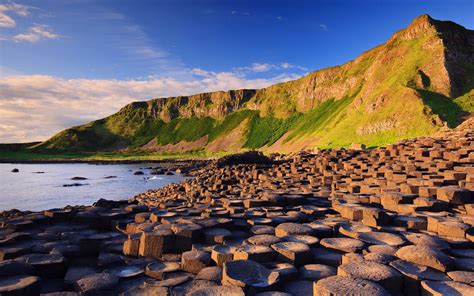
(37, 187)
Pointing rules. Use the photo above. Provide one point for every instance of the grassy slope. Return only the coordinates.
(387, 77)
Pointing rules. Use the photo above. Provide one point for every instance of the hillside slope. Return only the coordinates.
(420, 81)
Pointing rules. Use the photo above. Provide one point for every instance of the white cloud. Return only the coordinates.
(34, 107)
(36, 33)
(266, 67)
(323, 27)
(291, 66)
(257, 67)
(6, 21)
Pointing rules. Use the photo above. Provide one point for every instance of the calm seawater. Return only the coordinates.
(29, 190)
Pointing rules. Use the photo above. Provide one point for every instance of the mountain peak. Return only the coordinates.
(422, 20)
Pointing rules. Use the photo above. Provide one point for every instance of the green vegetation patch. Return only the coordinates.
(267, 130)
(319, 118)
(446, 108)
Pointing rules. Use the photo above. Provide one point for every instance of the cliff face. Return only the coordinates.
(416, 83)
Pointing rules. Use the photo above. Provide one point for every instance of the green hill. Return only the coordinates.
(418, 82)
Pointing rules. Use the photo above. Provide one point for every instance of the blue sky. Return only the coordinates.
(133, 39)
(72, 61)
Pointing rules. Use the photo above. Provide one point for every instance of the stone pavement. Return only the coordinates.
(387, 221)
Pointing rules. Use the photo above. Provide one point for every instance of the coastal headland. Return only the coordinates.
(394, 220)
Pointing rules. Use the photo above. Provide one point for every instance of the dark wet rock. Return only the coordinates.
(138, 173)
(13, 268)
(75, 184)
(299, 287)
(77, 178)
(110, 177)
(466, 264)
(126, 271)
(250, 157)
(75, 273)
(343, 285)
(248, 273)
(15, 170)
(20, 285)
(96, 283)
(326, 256)
(46, 265)
(286, 271)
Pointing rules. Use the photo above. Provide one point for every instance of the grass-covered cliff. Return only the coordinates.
(418, 82)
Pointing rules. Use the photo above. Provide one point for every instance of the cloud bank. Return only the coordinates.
(34, 107)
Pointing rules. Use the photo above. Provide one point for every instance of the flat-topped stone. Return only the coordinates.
(97, 282)
(221, 254)
(218, 291)
(264, 240)
(427, 241)
(194, 261)
(466, 277)
(381, 238)
(256, 253)
(445, 288)
(158, 269)
(19, 285)
(299, 238)
(347, 286)
(384, 275)
(248, 273)
(314, 272)
(430, 257)
(292, 252)
(289, 228)
(343, 244)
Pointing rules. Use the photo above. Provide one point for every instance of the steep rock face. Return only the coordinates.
(407, 87)
(213, 104)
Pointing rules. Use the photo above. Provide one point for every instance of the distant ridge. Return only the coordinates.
(419, 82)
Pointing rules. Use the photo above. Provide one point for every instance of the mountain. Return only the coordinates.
(419, 82)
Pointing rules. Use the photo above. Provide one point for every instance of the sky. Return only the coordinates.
(64, 63)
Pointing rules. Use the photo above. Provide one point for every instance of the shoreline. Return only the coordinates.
(105, 162)
(301, 223)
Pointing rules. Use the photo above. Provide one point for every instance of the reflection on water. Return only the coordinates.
(43, 186)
